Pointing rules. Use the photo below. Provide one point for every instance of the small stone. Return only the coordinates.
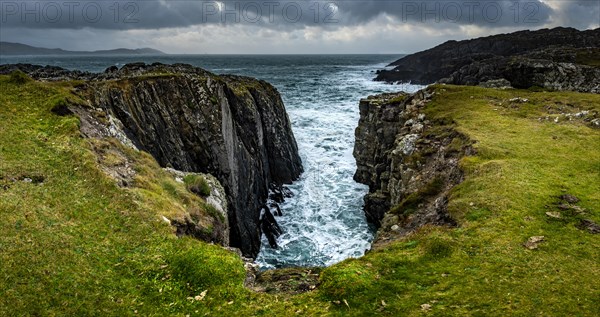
(201, 296)
(417, 128)
(426, 307)
(553, 214)
(569, 198)
(533, 242)
(564, 207)
(395, 228)
(577, 209)
(589, 225)
(519, 99)
(27, 180)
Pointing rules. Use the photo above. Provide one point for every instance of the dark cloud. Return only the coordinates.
(492, 13)
(287, 26)
(288, 14)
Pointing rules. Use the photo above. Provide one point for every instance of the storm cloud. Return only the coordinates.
(301, 23)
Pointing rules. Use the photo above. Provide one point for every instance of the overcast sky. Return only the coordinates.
(273, 27)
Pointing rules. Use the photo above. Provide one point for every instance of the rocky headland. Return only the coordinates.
(235, 128)
(554, 59)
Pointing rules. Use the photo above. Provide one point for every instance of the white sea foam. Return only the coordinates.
(324, 222)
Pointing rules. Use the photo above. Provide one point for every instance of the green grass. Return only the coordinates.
(74, 243)
(197, 185)
(409, 204)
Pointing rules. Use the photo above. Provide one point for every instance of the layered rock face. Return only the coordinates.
(559, 58)
(409, 162)
(554, 69)
(235, 128)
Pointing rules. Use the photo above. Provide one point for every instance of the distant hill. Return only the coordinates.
(445, 60)
(7, 48)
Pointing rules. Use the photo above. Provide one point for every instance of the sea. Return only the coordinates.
(323, 223)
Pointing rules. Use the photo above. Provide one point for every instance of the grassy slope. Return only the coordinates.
(77, 244)
(481, 268)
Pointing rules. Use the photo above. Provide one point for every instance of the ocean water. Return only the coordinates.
(323, 223)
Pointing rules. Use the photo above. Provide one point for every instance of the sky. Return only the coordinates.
(279, 26)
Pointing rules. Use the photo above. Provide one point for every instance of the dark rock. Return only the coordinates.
(279, 193)
(549, 58)
(589, 225)
(111, 69)
(525, 72)
(564, 207)
(569, 198)
(269, 226)
(49, 73)
(376, 205)
(277, 210)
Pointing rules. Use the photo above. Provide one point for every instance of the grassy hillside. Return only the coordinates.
(74, 243)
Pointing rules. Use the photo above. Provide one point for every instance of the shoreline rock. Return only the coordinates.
(409, 162)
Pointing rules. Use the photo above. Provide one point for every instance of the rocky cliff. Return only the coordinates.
(560, 58)
(409, 162)
(235, 128)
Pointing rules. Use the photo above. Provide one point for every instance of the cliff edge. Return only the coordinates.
(235, 128)
(409, 161)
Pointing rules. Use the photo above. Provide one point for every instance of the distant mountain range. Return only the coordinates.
(7, 48)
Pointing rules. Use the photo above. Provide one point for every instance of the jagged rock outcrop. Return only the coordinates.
(560, 58)
(235, 128)
(409, 162)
